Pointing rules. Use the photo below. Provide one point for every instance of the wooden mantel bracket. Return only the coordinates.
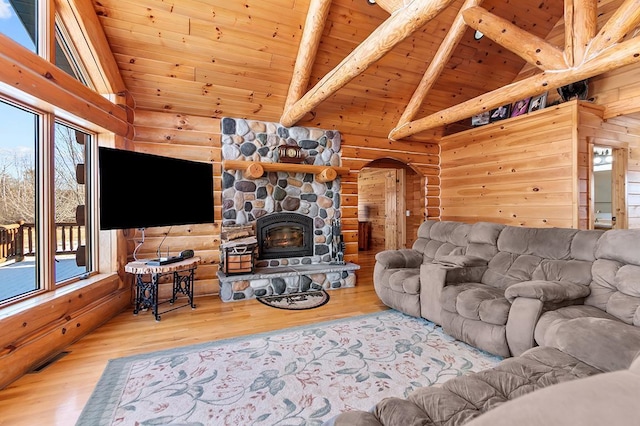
(255, 169)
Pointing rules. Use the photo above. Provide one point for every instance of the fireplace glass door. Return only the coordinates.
(283, 235)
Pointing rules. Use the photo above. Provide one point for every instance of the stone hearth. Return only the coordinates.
(286, 279)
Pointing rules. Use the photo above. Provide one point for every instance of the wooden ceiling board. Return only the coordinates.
(216, 58)
(189, 49)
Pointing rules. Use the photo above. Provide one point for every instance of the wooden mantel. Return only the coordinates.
(255, 169)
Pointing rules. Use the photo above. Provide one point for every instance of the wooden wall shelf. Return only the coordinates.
(255, 169)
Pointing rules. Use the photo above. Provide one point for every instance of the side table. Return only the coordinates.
(146, 291)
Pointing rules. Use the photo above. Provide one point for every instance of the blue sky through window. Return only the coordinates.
(16, 125)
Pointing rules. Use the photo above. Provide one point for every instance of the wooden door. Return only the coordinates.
(382, 203)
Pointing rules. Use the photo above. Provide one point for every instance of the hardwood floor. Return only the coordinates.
(56, 395)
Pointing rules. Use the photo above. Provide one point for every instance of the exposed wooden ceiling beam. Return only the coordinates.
(311, 35)
(622, 54)
(580, 22)
(390, 5)
(529, 47)
(437, 64)
(625, 19)
(395, 29)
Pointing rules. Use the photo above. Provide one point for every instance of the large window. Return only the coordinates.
(18, 197)
(46, 185)
(18, 21)
(72, 202)
(24, 226)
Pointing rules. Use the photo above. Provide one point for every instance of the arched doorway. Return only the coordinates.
(391, 205)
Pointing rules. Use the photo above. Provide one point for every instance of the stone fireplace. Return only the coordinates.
(283, 235)
(292, 212)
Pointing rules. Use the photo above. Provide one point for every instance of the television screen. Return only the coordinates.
(141, 190)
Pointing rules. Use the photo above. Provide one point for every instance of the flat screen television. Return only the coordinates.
(140, 190)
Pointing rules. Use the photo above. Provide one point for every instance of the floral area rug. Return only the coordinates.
(296, 376)
(297, 301)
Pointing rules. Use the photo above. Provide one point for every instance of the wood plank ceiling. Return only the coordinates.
(230, 58)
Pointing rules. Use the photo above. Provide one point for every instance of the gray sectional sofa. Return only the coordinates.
(562, 305)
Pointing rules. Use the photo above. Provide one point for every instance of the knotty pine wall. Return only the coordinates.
(523, 171)
(619, 91)
(198, 138)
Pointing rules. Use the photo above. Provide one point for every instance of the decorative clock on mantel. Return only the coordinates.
(290, 154)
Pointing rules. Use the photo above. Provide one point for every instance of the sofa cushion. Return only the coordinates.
(435, 249)
(604, 399)
(584, 243)
(405, 281)
(606, 344)
(477, 302)
(461, 399)
(620, 245)
(616, 289)
(441, 238)
(486, 304)
(509, 268)
(449, 295)
(549, 243)
(566, 313)
(483, 238)
(573, 271)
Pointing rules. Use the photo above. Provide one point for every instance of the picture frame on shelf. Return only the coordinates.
(500, 113)
(520, 107)
(538, 102)
(481, 119)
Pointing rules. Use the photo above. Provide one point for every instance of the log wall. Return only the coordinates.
(198, 138)
(43, 326)
(188, 138)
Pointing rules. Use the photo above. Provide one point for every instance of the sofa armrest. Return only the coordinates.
(547, 291)
(402, 258)
(528, 300)
(434, 277)
(460, 261)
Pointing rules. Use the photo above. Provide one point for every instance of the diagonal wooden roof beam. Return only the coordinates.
(617, 56)
(311, 35)
(529, 47)
(437, 64)
(390, 5)
(580, 26)
(625, 19)
(400, 25)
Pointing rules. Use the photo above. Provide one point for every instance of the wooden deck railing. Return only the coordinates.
(11, 242)
(19, 239)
